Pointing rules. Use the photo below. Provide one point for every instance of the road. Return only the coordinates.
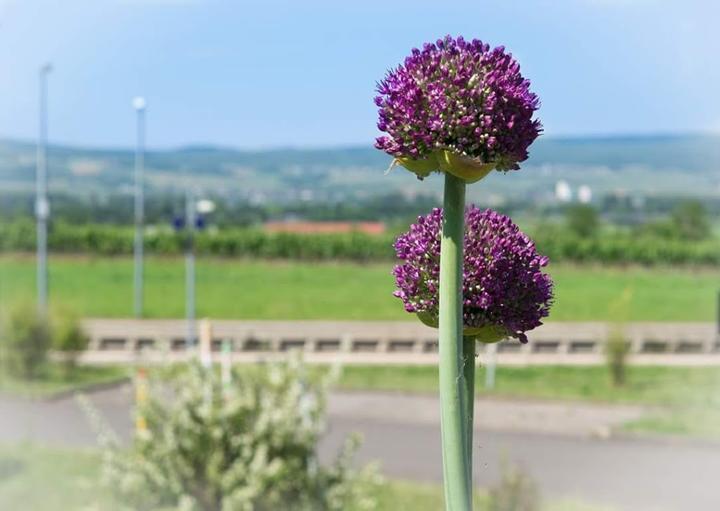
(569, 460)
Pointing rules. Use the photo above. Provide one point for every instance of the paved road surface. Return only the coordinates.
(401, 432)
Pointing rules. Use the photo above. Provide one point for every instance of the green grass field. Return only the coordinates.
(293, 290)
(646, 385)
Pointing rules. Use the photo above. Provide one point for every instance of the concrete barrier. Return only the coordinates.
(387, 342)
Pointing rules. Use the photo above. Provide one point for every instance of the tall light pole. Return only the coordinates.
(139, 106)
(190, 219)
(42, 206)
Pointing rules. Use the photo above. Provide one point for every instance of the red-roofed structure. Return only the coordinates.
(302, 227)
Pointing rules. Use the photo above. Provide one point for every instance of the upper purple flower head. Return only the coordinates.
(505, 292)
(458, 97)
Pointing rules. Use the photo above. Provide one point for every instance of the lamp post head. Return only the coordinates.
(46, 68)
(205, 206)
(138, 103)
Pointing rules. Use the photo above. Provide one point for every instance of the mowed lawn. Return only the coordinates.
(295, 290)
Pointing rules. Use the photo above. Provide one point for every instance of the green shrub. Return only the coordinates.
(247, 445)
(582, 220)
(68, 338)
(616, 352)
(516, 491)
(617, 348)
(690, 221)
(26, 339)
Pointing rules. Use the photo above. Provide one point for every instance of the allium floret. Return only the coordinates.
(457, 106)
(505, 292)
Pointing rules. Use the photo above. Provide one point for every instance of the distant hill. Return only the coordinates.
(653, 165)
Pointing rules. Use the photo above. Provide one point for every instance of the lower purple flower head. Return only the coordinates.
(505, 292)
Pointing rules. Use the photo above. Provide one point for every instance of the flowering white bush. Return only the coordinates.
(245, 446)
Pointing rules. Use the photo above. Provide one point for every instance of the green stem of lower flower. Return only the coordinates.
(453, 404)
(469, 408)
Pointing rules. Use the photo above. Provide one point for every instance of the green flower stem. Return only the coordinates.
(469, 408)
(458, 489)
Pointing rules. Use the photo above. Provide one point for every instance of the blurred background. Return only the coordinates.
(195, 180)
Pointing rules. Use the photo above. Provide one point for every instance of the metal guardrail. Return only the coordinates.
(126, 340)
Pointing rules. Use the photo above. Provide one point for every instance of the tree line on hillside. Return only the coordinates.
(391, 208)
(161, 209)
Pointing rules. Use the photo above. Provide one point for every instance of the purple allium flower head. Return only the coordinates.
(504, 288)
(460, 97)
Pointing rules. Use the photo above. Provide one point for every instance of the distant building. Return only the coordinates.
(563, 192)
(302, 227)
(585, 194)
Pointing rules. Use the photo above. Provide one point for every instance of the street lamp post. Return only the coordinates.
(139, 106)
(42, 206)
(190, 219)
(193, 219)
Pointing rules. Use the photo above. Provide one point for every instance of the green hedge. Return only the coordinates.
(112, 240)
(623, 248)
(559, 245)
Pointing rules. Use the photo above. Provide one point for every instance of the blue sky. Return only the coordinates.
(302, 73)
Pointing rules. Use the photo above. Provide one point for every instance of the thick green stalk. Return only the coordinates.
(469, 408)
(458, 490)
